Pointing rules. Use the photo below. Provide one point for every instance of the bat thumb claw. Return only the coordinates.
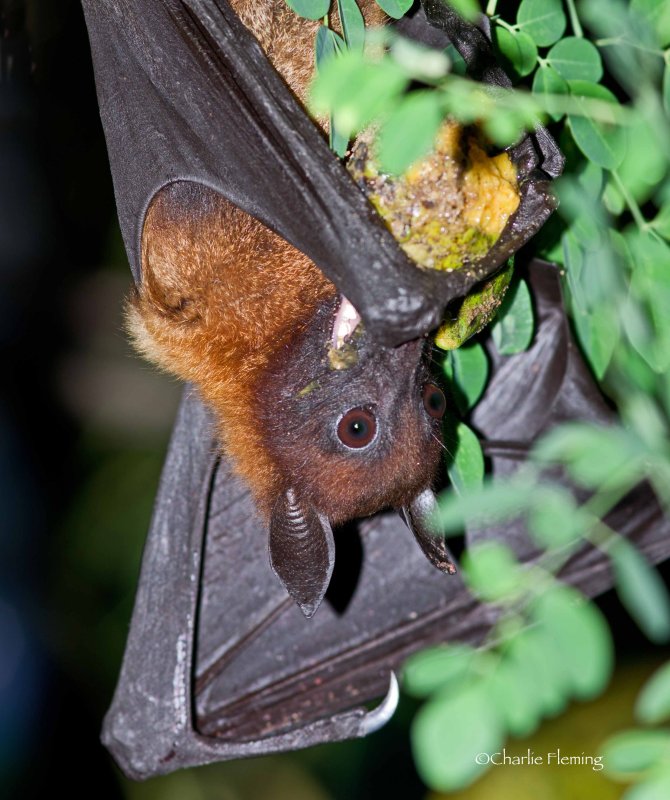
(379, 716)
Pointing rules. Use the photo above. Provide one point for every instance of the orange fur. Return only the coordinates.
(220, 293)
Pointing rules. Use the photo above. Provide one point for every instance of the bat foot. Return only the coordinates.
(302, 551)
(418, 517)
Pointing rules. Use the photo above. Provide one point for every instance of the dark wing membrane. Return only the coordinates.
(185, 92)
(220, 662)
(531, 392)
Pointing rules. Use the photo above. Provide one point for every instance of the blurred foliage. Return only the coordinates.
(599, 74)
(578, 731)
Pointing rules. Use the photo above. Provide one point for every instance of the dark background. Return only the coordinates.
(83, 429)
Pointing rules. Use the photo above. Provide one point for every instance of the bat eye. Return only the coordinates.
(434, 400)
(357, 428)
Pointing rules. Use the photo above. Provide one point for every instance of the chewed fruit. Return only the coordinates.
(448, 208)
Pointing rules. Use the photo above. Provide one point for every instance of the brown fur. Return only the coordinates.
(288, 40)
(212, 309)
(224, 302)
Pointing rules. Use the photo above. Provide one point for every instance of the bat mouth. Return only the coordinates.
(347, 319)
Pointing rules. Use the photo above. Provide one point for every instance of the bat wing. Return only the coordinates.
(186, 92)
(220, 663)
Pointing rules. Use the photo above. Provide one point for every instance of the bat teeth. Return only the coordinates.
(378, 717)
(347, 320)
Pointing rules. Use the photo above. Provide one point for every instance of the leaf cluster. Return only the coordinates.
(642, 755)
(598, 73)
(548, 646)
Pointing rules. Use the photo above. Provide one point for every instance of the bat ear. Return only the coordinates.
(302, 550)
(417, 516)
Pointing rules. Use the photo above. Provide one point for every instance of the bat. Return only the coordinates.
(323, 424)
(220, 661)
(320, 434)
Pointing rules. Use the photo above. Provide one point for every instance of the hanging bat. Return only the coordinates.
(230, 306)
(323, 424)
(204, 135)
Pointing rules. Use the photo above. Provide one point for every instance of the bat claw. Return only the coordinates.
(379, 716)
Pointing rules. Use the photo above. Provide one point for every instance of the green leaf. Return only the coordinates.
(309, 9)
(573, 259)
(573, 255)
(641, 591)
(579, 195)
(486, 505)
(337, 141)
(327, 44)
(395, 8)
(650, 284)
(519, 708)
(448, 734)
(504, 128)
(492, 571)
(355, 91)
(432, 669)
(655, 788)
(598, 333)
(581, 638)
(613, 199)
(468, 9)
(637, 371)
(653, 702)
(661, 222)
(555, 520)
(466, 466)
(514, 324)
(629, 752)
(656, 14)
(543, 20)
(532, 654)
(422, 63)
(458, 65)
(644, 163)
(600, 142)
(468, 368)
(642, 415)
(547, 81)
(576, 58)
(353, 24)
(410, 130)
(666, 89)
(517, 49)
(591, 180)
(593, 454)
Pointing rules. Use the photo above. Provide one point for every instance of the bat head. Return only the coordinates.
(352, 427)
(323, 423)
